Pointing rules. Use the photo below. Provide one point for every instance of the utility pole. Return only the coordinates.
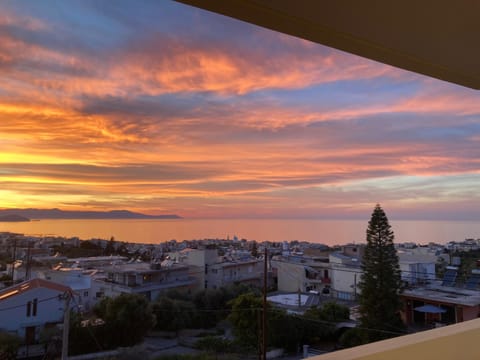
(14, 258)
(66, 325)
(355, 286)
(28, 265)
(264, 317)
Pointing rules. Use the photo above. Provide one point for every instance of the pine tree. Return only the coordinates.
(380, 285)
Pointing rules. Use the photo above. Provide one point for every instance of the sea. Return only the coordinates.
(328, 232)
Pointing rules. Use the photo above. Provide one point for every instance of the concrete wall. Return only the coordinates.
(79, 282)
(49, 310)
(224, 274)
(345, 280)
(457, 341)
(470, 313)
(291, 276)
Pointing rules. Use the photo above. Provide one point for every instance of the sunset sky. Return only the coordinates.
(160, 108)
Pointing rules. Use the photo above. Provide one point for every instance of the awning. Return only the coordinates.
(432, 309)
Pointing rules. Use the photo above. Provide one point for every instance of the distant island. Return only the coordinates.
(13, 218)
(27, 214)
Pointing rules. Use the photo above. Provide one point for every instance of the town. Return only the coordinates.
(43, 277)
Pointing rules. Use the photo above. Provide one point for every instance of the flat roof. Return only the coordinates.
(445, 294)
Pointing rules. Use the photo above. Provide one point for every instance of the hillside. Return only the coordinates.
(62, 214)
(13, 218)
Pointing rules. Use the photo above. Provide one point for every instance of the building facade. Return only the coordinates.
(31, 306)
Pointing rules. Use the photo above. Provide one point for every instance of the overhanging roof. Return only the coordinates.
(438, 38)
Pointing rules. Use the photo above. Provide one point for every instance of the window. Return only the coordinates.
(344, 295)
(85, 294)
(32, 308)
(34, 311)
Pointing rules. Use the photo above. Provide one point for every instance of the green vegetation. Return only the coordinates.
(284, 330)
(214, 345)
(127, 319)
(176, 310)
(6, 278)
(89, 248)
(5, 259)
(468, 262)
(173, 314)
(380, 284)
(8, 346)
(86, 249)
(245, 318)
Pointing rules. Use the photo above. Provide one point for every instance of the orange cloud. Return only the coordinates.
(165, 123)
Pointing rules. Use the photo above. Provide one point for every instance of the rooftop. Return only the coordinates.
(29, 285)
(142, 267)
(445, 294)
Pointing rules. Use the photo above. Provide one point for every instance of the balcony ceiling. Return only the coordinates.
(438, 38)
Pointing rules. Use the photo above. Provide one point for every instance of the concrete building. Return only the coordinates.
(225, 273)
(143, 278)
(31, 306)
(346, 274)
(213, 271)
(79, 280)
(442, 302)
(302, 273)
(95, 262)
(417, 267)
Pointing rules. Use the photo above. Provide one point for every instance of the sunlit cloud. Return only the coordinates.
(129, 109)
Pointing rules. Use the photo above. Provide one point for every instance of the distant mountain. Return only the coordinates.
(13, 218)
(62, 214)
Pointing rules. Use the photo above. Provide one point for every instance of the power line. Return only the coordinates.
(58, 297)
(89, 329)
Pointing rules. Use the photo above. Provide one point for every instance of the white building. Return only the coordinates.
(247, 271)
(213, 271)
(417, 267)
(346, 274)
(302, 273)
(79, 280)
(147, 279)
(29, 307)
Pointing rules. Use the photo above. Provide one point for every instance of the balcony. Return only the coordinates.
(318, 279)
(457, 341)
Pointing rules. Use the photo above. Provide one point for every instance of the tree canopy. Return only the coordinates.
(128, 318)
(9, 344)
(380, 284)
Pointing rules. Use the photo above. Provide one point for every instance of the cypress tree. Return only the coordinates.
(380, 284)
